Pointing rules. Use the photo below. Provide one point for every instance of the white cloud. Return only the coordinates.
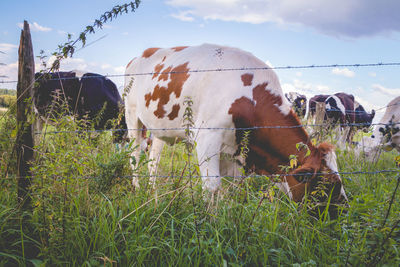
(36, 27)
(10, 73)
(68, 64)
(105, 66)
(372, 74)
(4, 47)
(351, 18)
(184, 16)
(386, 91)
(82, 65)
(62, 32)
(305, 88)
(343, 72)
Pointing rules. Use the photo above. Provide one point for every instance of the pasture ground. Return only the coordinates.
(86, 213)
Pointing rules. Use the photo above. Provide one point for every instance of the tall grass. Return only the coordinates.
(86, 213)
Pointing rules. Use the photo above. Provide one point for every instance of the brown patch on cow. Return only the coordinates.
(269, 147)
(174, 113)
(165, 74)
(157, 70)
(178, 76)
(247, 79)
(149, 52)
(179, 48)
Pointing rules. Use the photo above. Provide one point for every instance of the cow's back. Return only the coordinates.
(163, 78)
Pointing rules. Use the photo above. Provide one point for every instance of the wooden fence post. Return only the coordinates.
(319, 118)
(24, 142)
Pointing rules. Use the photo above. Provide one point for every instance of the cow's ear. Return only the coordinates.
(372, 113)
(325, 148)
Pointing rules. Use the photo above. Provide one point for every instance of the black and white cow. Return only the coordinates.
(362, 117)
(386, 134)
(84, 96)
(299, 103)
(342, 108)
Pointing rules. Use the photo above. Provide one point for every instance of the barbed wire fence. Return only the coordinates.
(380, 64)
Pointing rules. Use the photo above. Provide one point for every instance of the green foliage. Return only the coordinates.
(8, 162)
(7, 100)
(111, 169)
(85, 212)
(8, 92)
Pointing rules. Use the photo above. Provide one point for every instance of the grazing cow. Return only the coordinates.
(362, 117)
(386, 134)
(299, 103)
(225, 99)
(343, 109)
(340, 108)
(84, 96)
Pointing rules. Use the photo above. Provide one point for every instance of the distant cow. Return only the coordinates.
(299, 103)
(340, 108)
(343, 109)
(386, 134)
(84, 96)
(362, 117)
(228, 99)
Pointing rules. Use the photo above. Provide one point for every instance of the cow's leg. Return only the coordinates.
(230, 166)
(135, 128)
(208, 152)
(154, 158)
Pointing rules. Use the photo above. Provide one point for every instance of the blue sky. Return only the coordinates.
(281, 33)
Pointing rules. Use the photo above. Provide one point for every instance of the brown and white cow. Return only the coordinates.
(224, 99)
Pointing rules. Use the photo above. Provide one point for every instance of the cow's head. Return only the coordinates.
(368, 120)
(364, 118)
(390, 135)
(318, 176)
(298, 101)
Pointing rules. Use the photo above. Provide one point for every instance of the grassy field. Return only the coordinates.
(84, 212)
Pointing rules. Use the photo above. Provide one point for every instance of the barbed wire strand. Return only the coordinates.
(231, 176)
(222, 128)
(380, 64)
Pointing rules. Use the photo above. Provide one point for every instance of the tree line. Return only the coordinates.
(7, 97)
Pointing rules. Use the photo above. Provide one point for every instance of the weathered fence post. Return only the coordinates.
(319, 118)
(24, 143)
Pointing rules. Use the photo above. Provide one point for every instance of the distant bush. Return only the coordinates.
(8, 92)
(8, 163)
(7, 100)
